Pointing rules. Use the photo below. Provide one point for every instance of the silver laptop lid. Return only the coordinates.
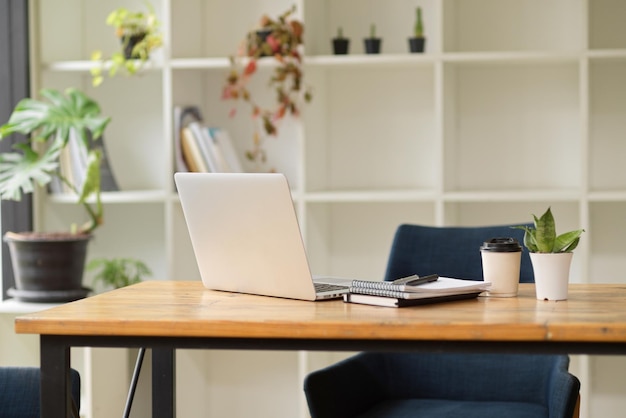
(245, 233)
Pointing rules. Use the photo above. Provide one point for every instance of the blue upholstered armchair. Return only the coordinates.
(19, 392)
(437, 385)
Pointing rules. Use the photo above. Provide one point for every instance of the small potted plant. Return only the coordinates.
(417, 41)
(341, 45)
(551, 256)
(114, 273)
(139, 35)
(373, 43)
(279, 39)
(48, 266)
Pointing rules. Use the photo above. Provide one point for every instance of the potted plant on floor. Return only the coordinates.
(551, 256)
(417, 41)
(373, 43)
(48, 266)
(139, 35)
(341, 45)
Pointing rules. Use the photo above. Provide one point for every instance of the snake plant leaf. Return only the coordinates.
(545, 234)
(529, 237)
(566, 242)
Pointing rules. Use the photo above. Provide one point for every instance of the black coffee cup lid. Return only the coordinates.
(501, 245)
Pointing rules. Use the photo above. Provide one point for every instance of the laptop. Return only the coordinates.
(246, 238)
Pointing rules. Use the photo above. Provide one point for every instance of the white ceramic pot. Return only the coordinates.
(551, 274)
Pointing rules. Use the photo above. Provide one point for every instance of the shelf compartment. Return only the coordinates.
(606, 242)
(354, 239)
(535, 142)
(606, 24)
(131, 231)
(351, 147)
(505, 25)
(70, 30)
(394, 20)
(504, 212)
(217, 28)
(607, 126)
(203, 88)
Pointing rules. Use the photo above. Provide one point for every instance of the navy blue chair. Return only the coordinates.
(20, 394)
(445, 385)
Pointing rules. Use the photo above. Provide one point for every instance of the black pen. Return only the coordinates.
(416, 280)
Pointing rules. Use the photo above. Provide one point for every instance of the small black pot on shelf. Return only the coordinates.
(372, 45)
(341, 46)
(416, 45)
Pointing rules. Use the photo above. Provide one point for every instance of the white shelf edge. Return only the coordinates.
(370, 196)
(513, 56)
(607, 196)
(369, 59)
(607, 53)
(513, 196)
(430, 196)
(87, 65)
(131, 196)
(366, 59)
(200, 63)
(12, 306)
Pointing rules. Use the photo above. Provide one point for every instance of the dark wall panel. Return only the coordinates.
(14, 85)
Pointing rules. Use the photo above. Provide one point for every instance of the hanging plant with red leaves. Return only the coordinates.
(282, 40)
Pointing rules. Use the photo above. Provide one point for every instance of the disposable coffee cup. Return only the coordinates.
(501, 259)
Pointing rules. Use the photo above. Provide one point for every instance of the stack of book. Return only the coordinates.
(413, 290)
(200, 148)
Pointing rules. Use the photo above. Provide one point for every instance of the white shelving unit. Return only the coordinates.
(516, 105)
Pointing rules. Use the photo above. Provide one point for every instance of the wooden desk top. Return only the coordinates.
(593, 313)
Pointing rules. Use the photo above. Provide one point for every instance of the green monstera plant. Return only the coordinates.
(544, 239)
(49, 126)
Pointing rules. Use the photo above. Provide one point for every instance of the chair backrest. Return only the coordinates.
(448, 251)
(19, 392)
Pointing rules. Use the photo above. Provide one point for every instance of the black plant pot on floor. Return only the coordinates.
(416, 44)
(47, 269)
(372, 45)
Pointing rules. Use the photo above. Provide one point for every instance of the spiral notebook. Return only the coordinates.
(246, 238)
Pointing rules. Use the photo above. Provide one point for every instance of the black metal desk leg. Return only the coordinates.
(55, 389)
(163, 383)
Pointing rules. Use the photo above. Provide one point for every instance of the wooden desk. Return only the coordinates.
(164, 316)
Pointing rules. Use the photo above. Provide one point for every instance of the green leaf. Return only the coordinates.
(118, 272)
(19, 172)
(529, 237)
(566, 242)
(545, 234)
(91, 184)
